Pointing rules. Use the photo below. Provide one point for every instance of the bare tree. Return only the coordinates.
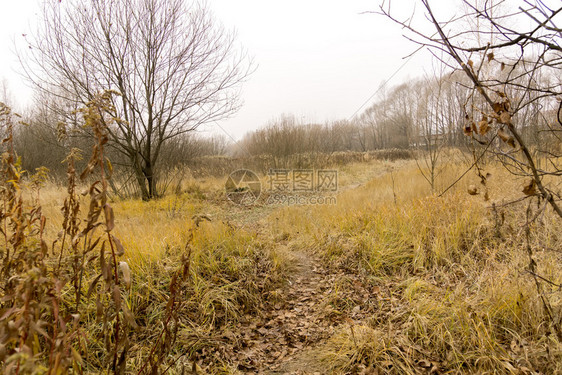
(430, 123)
(172, 66)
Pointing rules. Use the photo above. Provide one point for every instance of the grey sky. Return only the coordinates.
(316, 59)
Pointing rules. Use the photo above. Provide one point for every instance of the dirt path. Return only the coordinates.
(298, 317)
(295, 322)
(303, 317)
(283, 340)
(272, 344)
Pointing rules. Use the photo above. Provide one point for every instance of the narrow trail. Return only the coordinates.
(299, 317)
(303, 316)
(284, 339)
(272, 344)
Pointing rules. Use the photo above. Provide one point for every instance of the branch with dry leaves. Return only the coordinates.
(503, 96)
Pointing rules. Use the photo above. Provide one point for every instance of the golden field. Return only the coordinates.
(394, 278)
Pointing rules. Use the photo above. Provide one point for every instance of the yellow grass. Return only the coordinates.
(462, 300)
(461, 282)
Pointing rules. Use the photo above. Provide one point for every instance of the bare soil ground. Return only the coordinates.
(274, 343)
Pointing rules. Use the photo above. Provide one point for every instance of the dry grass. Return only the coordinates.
(448, 274)
(456, 296)
(90, 299)
(232, 268)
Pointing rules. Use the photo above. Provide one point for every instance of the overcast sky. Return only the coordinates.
(319, 60)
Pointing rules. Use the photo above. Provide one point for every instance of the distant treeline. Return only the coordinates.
(423, 113)
(420, 114)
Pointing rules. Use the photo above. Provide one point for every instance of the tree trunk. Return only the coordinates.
(151, 181)
(141, 182)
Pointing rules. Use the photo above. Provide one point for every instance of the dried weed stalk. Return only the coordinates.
(54, 304)
(40, 329)
(33, 335)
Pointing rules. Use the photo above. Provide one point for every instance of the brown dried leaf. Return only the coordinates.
(99, 307)
(93, 189)
(530, 188)
(484, 128)
(116, 297)
(120, 249)
(109, 217)
(92, 286)
(93, 245)
(129, 317)
(490, 56)
(472, 190)
(89, 168)
(505, 118)
(504, 136)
